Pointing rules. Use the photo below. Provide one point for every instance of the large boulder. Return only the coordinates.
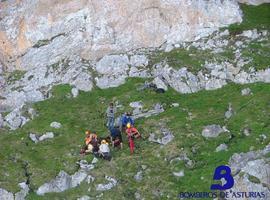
(212, 131)
(5, 195)
(62, 182)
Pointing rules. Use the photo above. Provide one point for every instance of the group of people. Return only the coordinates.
(100, 146)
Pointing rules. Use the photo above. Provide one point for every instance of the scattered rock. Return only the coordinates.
(228, 114)
(47, 135)
(77, 178)
(175, 104)
(32, 113)
(83, 82)
(85, 197)
(33, 137)
(179, 174)
(160, 84)
(247, 131)
(5, 195)
(167, 137)
(138, 196)
(252, 34)
(249, 167)
(62, 182)
(136, 104)
(85, 166)
(15, 120)
(144, 167)
(1, 121)
(94, 161)
(222, 147)
(90, 179)
(157, 110)
(138, 60)
(56, 125)
(212, 131)
(21, 195)
(103, 187)
(74, 92)
(138, 177)
(246, 92)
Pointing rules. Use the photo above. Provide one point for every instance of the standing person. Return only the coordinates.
(125, 119)
(131, 130)
(110, 112)
(131, 142)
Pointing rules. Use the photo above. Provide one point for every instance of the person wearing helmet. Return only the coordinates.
(131, 130)
(104, 150)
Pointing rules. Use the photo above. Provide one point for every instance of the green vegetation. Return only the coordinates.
(254, 179)
(254, 17)
(44, 160)
(193, 59)
(11, 77)
(259, 52)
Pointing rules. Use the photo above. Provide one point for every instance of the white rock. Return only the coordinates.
(175, 104)
(74, 92)
(62, 182)
(21, 195)
(160, 83)
(222, 147)
(48, 135)
(212, 131)
(179, 174)
(56, 125)
(246, 91)
(1, 121)
(5, 195)
(103, 187)
(33, 137)
(83, 82)
(85, 166)
(77, 178)
(85, 197)
(113, 64)
(138, 177)
(94, 161)
(136, 104)
(138, 60)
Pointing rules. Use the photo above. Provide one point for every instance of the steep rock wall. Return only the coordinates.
(35, 33)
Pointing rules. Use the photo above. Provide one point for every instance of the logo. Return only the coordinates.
(222, 173)
(225, 173)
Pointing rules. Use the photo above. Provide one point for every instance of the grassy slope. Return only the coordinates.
(48, 158)
(43, 161)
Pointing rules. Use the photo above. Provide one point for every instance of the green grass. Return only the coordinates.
(254, 17)
(47, 158)
(193, 59)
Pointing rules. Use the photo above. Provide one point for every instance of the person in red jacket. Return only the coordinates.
(132, 133)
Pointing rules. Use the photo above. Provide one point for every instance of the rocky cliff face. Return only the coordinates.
(39, 33)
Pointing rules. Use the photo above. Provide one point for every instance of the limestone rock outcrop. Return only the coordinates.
(39, 33)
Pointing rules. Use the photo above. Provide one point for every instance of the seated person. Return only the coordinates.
(104, 150)
(116, 137)
(132, 131)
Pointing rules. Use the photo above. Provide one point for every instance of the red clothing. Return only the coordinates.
(131, 144)
(132, 131)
